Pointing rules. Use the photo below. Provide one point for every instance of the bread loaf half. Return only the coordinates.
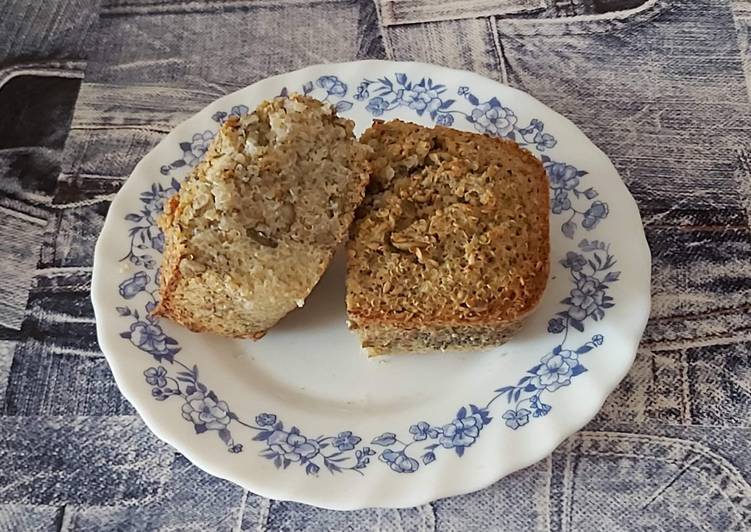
(450, 249)
(256, 223)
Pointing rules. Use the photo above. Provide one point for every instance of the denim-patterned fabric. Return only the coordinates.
(88, 87)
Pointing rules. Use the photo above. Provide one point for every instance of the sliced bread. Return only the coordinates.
(450, 249)
(256, 223)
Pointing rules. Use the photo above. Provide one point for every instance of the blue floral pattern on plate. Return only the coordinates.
(590, 268)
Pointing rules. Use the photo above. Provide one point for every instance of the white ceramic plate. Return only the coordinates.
(302, 414)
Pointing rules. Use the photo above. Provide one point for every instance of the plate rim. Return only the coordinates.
(407, 498)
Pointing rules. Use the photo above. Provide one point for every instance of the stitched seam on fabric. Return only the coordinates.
(617, 16)
(498, 47)
(241, 510)
(387, 44)
(613, 23)
(452, 10)
(730, 340)
(209, 6)
(662, 489)
(703, 314)
(26, 202)
(87, 175)
(567, 491)
(741, 485)
(72, 70)
(83, 203)
(664, 440)
(556, 492)
(263, 522)
(572, 489)
(86, 127)
(62, 270)
(702, 341)
(685, 386)
(549, 490)
(41, 222)
(744, 157)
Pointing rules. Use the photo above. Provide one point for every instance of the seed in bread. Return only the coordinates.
(450, 249)
(256, 223)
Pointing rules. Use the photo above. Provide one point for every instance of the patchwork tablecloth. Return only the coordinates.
(88, 87)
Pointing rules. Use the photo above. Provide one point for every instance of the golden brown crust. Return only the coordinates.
(379, 339)
(453, 233)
